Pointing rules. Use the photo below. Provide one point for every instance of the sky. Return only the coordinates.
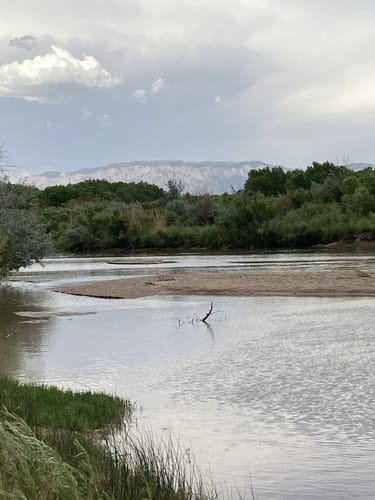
(86, 83)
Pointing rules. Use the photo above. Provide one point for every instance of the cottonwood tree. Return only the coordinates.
(23, 238)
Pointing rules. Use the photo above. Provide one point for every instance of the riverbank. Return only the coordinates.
(343, 283)
(72, 446)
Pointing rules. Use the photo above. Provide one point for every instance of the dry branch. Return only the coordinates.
(204, 319)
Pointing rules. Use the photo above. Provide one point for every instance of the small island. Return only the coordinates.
(345, 283)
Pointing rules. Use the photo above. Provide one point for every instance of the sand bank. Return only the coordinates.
(346, 283)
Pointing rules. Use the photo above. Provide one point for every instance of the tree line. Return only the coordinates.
(274, 209)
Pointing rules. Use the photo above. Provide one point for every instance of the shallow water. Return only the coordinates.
(280, 389)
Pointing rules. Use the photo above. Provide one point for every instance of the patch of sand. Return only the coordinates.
(45, 315)
(346, 283)
(142, 262)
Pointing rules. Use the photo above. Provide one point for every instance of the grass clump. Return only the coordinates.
(29, 468)
(48, 450)
(58, 464)
(46, 406)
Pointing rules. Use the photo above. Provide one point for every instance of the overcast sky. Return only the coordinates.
(84, 83)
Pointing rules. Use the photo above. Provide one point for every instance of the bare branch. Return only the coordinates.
(204, 319)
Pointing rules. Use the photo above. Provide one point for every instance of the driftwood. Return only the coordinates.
(207, 315)
(196, 319)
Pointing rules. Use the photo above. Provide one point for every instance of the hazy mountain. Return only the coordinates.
(203, 177)
(360, 166)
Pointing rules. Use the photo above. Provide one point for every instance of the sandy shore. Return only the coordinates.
(299, 283)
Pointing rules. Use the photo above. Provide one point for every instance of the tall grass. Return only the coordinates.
(58, 464)
(48, 450)
(143, 467)
(30, 469)
(48, 406)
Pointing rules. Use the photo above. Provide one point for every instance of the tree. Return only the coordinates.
(23, 238)
(100, 190)
(270, 182)
(318, 172)
(245, 221)
(175, 189)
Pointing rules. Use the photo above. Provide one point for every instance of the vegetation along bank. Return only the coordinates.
(61, 445)
(275, 209)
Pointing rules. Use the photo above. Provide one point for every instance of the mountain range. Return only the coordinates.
(212, 177)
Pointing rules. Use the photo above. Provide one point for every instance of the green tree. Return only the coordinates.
(23, 239)
(246, 220)
(175, 189)
(101, 190)
(269, 182)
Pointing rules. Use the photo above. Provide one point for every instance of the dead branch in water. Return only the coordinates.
(204, 319)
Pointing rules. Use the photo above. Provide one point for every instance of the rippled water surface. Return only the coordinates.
(280, 389)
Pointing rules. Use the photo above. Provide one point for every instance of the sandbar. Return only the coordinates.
(342, 283)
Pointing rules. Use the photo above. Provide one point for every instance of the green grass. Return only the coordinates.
(48, 450)
(58, 464)
(30, 469)
(46, 406)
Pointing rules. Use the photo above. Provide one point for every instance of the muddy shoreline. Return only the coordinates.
(346, 283)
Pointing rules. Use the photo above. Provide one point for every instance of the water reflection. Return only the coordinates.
(19, 337)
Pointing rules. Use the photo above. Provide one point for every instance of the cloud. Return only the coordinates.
(294, 76)
(356, 95)
(26, 79)
(142, 95)
(157, 86)
(26, 42)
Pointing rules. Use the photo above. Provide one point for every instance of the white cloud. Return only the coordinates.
(140, 95)
(285, 69)
(157, 86)
(25, 79)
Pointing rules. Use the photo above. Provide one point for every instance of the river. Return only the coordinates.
(279, 389)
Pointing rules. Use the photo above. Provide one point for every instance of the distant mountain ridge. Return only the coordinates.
(360, 166)
(212, 177)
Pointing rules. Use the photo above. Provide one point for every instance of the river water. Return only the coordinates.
(280, 390)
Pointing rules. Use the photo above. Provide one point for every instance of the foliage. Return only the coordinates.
(245, 223)
(269, 182)
(23, 238)
(100, 190)
(276, 208)
(175, 189)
